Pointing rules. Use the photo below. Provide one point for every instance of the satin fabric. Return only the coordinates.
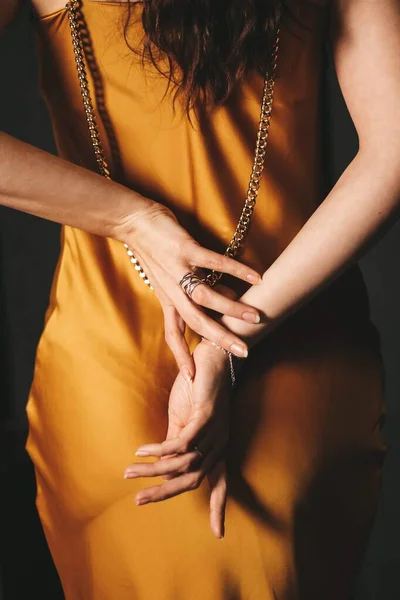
(304, 462)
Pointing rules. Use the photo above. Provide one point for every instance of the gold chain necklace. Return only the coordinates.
(242, 227)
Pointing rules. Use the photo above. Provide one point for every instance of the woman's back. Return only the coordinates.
(200, 170)
(103, 370)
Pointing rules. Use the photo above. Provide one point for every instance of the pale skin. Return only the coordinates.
(365, 38)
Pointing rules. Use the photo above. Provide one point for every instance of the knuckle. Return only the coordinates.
(216, 263)
(232, 308)
(200, 294)
(188, 247)
(162, 495)
(184, 447)
(194, 481)
(165, 448)
(231, 266)
(196, 321)
(187, 465)
(220, 340)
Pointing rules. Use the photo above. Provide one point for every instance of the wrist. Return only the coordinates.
(216, 355)
(132, 208)
(222, 360)
(250, 333)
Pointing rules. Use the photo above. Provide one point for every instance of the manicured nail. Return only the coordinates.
(186, 374)
(130, 475)
(142, 453)
(251, 317)
(239, 350)
(141, 501)
(253, 278)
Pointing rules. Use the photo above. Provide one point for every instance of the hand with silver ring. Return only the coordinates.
(190, 281)
(172, 259)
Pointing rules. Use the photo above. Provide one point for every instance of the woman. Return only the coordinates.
(288, 460)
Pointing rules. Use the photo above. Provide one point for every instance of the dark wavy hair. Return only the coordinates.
(205, 47)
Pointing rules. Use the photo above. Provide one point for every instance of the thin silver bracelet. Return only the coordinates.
(231, 366)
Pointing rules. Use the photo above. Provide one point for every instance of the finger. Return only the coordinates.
(224, 264)
(183, 483)
(181, 444)
(170, 488)
(174, 329)
(215, 452)
(178, 464)
(226, 291)
(205, 296)
(218, 498)
(213, 466)
(170, 476)
(215, 332)
(194, 460)
(173, 431)
(211, 329)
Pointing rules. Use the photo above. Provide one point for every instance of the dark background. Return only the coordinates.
(28, 252)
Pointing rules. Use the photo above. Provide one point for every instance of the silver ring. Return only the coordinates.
(198, 452)
(190, 281)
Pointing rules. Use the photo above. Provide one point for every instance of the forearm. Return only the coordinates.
(364, 201)
(47, 186)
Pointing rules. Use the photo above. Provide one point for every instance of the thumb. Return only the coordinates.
(174, 328)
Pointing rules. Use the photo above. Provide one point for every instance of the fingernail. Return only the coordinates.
(239, 350)
(251, 317)
(141, 501)
(142, 453)
(186, 374)
(130, 475)
(253, 278)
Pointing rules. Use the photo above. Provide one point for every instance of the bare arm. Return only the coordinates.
(366, 199)
(47, 186)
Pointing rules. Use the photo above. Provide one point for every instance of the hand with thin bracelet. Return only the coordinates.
(197, 437)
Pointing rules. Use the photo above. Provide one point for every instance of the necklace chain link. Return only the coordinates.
(242, 228)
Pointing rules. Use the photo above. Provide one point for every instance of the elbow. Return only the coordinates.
(381, 157)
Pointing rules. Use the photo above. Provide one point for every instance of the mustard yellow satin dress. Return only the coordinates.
(304, 462)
